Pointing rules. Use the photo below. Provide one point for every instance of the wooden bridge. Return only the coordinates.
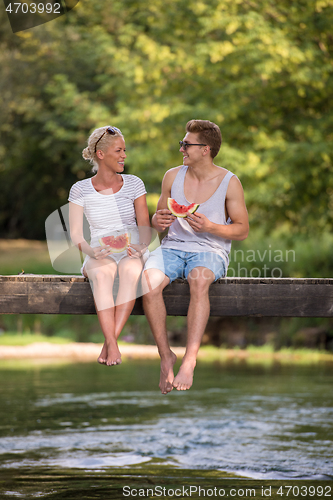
(60, 294)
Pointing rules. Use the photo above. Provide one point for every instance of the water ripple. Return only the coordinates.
(214, 429)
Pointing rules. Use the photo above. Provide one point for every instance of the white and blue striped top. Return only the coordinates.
(111, 212)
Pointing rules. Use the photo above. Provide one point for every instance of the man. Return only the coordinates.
(196, 247)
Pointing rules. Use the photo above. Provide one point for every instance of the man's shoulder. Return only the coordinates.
(235, 187)
(168, 180)
(174, 169)
(172, 172)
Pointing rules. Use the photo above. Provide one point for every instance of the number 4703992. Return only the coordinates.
(33, 8)
(309, 491)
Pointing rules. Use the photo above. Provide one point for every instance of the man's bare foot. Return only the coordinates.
(184, 378)
(166, 375)
(113, 353)
(104, 354)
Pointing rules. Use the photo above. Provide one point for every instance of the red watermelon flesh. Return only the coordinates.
(181, 210)
(117, 244)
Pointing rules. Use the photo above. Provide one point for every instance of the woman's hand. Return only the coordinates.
(136, 251)
(164, 218)
(100, 252)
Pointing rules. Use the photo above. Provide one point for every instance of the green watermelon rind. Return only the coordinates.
(193, 207)
(116, 250)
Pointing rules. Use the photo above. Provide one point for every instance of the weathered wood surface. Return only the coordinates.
(293, 297)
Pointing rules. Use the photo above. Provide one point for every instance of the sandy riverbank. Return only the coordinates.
(86, 352)
(78, 351)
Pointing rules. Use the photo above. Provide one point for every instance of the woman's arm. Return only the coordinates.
(76, 232)
(76, 228)
(142, 219)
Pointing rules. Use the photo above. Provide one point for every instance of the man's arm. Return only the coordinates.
(236, 209)
(163, 218)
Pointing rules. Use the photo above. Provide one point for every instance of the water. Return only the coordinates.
(89, 430)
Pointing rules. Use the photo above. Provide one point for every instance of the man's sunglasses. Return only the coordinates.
(185, 145)
(111, 131)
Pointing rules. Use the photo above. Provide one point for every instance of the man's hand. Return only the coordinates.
(198, 222)
(164, 218)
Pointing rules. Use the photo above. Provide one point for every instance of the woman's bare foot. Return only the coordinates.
(103, 356)
(184, 377)
(166, 375)
(113, 354)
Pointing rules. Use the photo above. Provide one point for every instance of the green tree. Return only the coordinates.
(260, 69)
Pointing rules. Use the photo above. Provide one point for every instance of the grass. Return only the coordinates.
(14, 339)
(306, 257)
(265, 355)
(25, 255)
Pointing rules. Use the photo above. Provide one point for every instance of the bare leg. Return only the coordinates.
(155, 311)
(101, 274)
(199, 279)
(129, 274)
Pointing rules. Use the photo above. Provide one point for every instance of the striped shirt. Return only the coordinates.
(107, 214)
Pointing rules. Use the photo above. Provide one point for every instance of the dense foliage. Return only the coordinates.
(261, 69)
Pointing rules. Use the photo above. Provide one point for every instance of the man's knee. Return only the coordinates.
(200, 279)
(153, 283)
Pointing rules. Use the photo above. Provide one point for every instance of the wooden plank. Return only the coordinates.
(280, 300)
(226, 281)
(283, 297)
(40, 297)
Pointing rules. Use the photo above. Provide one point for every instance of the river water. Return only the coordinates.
(84, 428)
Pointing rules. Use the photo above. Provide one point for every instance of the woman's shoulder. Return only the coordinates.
(132, 180)
(83, 183)
(79, 190)
(132, 177)
(133, 186)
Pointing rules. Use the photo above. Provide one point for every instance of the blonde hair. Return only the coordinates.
(104, 141)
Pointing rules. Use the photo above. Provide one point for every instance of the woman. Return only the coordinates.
(113, 203)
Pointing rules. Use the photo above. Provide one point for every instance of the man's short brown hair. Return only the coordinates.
(208, 133)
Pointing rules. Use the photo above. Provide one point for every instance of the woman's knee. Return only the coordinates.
(130, 271)
(102, 274)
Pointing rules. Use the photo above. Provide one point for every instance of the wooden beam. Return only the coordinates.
(60, 294)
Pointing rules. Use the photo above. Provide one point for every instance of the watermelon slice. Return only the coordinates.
(117, 244)
(181, 210)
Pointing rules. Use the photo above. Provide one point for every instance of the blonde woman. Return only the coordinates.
(113, 203)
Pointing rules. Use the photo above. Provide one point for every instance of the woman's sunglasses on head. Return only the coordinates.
(109, 130)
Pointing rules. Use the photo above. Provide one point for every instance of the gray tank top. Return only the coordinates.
(182, 237)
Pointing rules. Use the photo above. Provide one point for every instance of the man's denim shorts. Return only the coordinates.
(178, 264)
